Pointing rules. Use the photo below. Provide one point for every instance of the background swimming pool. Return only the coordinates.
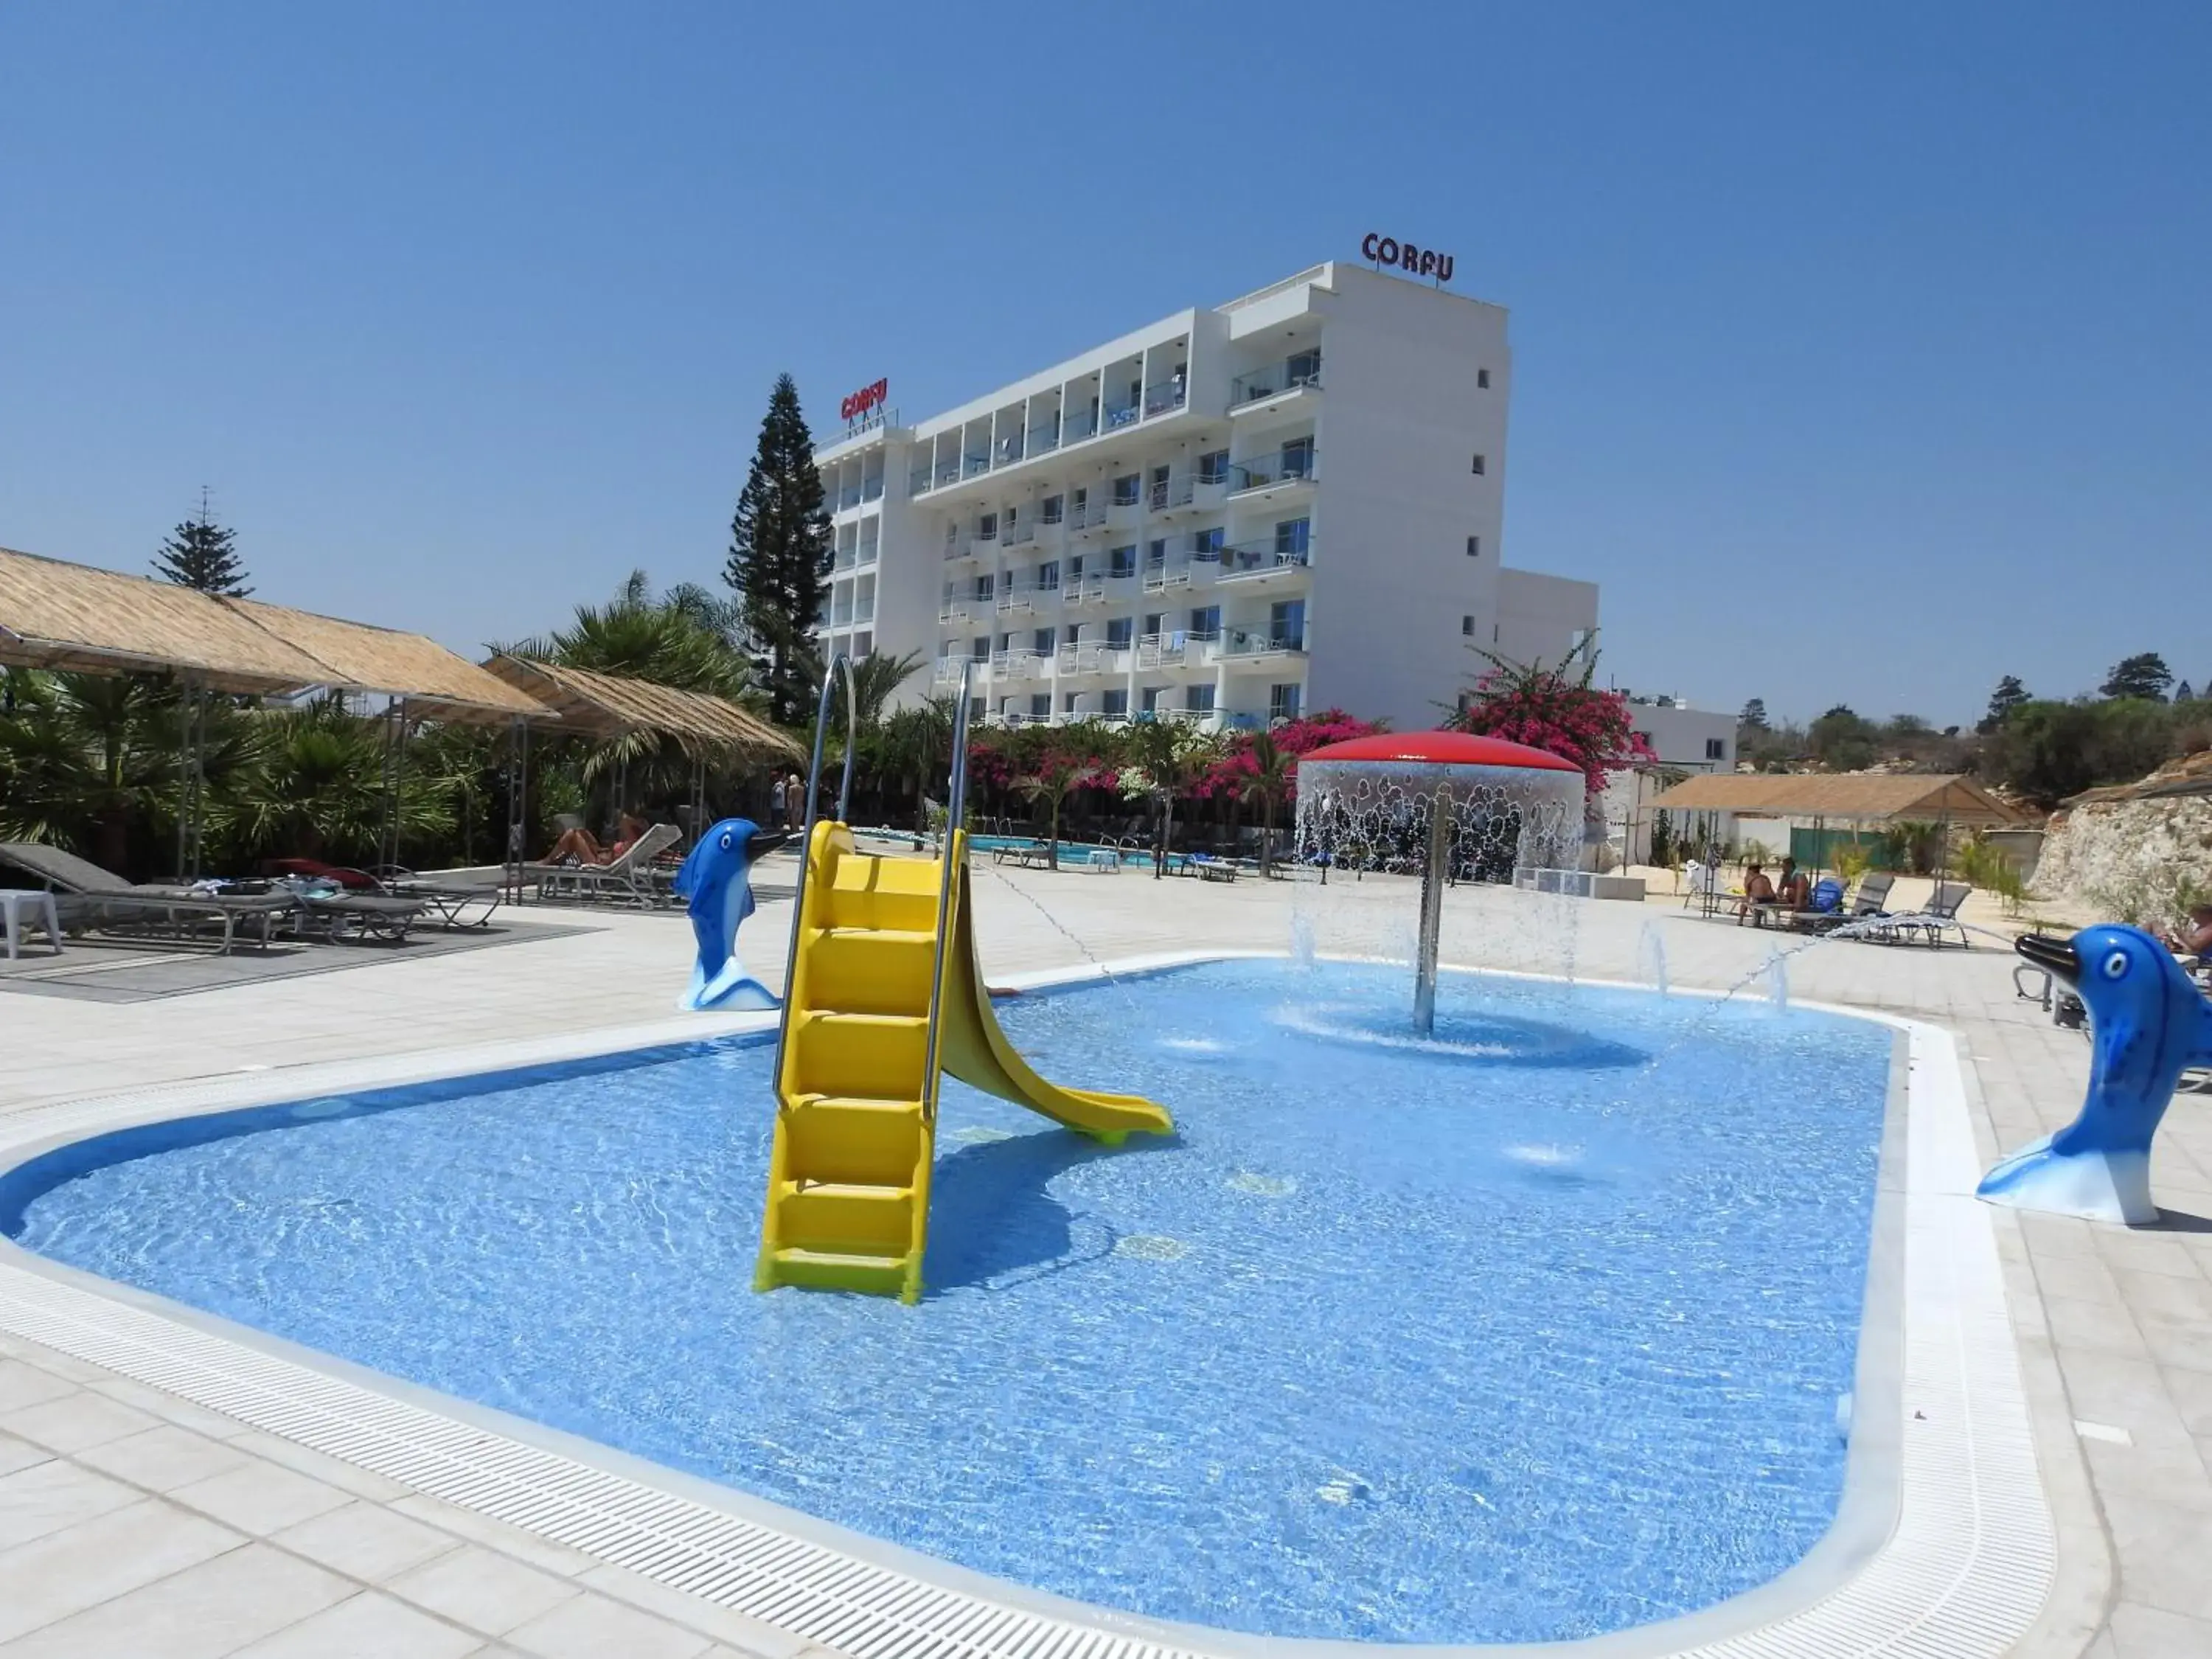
(1535, 1333)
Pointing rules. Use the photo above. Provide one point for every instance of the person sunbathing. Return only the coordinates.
(2194, 937)
(1757, 893)
(1794, 890)
(580, 846)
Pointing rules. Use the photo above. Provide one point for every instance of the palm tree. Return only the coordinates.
(86, 760)
(1172, 759)
(876, 679)
(316, 788)
(1272, 770)
(1057, 771)
(912, 744)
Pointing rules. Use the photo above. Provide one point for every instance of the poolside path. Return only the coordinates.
(132, 1522)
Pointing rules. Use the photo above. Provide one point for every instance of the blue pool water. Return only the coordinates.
(1532, 1331)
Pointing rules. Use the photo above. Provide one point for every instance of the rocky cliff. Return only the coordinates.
(2136, 850)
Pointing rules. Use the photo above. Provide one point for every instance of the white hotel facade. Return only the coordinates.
(1289, 502)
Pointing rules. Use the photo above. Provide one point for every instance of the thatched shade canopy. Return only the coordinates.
(436, 683)
(1854, 797)
(61, 616)
(610, 704)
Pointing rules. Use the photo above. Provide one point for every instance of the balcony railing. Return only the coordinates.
(948, 472)
(1016, 534)
(1043, 440)
(1241, 642)
(973, 466)
(864, 611)
(1027, 596)
(1121, 415)
(954, 609)
(867, 553)
(1086, 658)
(1009, 451)
(1083, 590)
(1167, 395)
(1159, 578)
(1294, 374)
(1078, 426)
(841, 616)
(1287, 465)
(951, 670)
(1163, 650)
(1257, 558)
(1018, 665)
(871, 489)
(1091, 516)
(849, 496)
(917, 481)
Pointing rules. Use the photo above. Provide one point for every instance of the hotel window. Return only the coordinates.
(1199, 699)
(1150, 694)
(1154, 623)
(1041, 641)
(1293, 536)
(1474, 547)
(1478, 466)
(1079, 498)
(987, 527)
(1048, 575)
(1206, 619)
(1114, 703)
(1117, 634)
(1208, 544)
(1467, 626)
(1068, 703)
(1213, 467)
(1482, 380)
(979, 649)
(1121, 561)
(1070, 634)
(1716, 748)
(1053, 508)
(1297, 458)
(1041, 706)
(1125, 489)
(984, 587)
(1282, 702)
(1156, 554)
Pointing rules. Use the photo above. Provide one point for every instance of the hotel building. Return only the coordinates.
(1289, 502)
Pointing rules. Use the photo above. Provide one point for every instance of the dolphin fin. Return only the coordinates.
(731, 990)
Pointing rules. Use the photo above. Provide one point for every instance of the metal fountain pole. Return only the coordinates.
(1434, 875)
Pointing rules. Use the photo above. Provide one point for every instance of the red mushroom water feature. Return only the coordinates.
(1450, 804)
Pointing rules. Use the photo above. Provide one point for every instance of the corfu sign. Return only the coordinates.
(1418, 261)
(868, 397)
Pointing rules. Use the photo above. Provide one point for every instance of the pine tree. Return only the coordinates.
(1753, 718)
(780, 548)
(2183, 694)
(2144, 675)
(2008, 695)
(200, 554)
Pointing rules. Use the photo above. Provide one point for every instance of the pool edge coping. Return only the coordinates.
(1855, 1550)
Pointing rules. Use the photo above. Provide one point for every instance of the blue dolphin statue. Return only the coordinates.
(2149, 1024)
(715, 884)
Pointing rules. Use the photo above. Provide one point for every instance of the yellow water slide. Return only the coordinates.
(856, 1129)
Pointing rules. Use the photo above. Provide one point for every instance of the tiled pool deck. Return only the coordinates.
(132, 1522)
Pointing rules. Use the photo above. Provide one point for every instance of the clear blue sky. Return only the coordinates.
(1864, 353)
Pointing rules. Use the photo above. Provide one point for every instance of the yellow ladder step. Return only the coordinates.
(839, 1270)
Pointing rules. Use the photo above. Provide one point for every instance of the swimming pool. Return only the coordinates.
(1534, 1332)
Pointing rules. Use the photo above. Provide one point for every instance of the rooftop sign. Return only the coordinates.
(868, 397)
(1415, 261)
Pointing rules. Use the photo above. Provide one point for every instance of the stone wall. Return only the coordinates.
(2132, 851)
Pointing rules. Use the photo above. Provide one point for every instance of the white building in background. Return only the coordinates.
(1685, 739)
(1291, 501)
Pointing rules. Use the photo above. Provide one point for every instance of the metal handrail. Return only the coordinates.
(839, 662)
(956, 806)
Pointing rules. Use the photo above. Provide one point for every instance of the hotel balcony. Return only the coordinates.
(1283, 472)
(1086, 658)
(961, 610)
(953, 671)
(1018, 535)
(1023, 597)
(1264, 564)
(1166, 396)
(1019, 665)
(1245, 648)
(1289, 381)
(1175, 651)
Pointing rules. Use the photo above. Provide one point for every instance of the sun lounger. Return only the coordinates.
(448, 902)
(380, 916)
(629, 877)
(101, 899)
(1932, 920)
(1210, 868)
